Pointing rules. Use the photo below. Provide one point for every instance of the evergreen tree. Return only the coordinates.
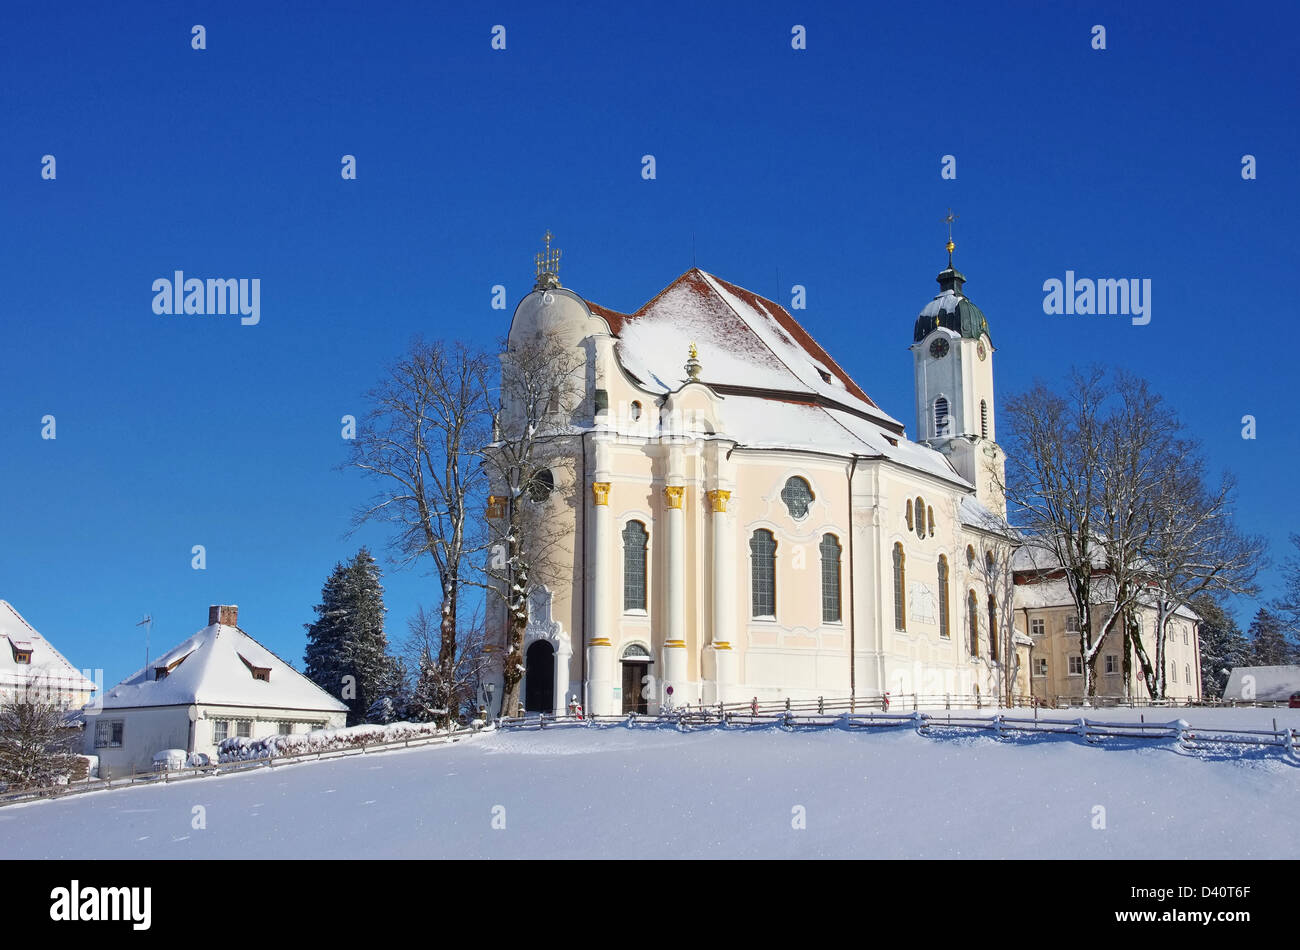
(426, 697)
(347, 651)
(35, 747)
(1269, 645)
(1223, 646)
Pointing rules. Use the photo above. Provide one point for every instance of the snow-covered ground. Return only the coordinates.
(633, 793)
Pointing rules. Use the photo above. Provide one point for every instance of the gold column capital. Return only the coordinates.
(496, 506)
(673, 495)
(600, 493)
(719, 498)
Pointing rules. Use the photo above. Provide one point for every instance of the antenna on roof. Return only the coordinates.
(147, 623)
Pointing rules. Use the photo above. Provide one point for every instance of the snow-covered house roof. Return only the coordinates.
(780, 389)
(220, 665)
(1269, 682)
(26, 655)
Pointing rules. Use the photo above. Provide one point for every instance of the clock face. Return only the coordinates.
(939, 347)
(981, 350)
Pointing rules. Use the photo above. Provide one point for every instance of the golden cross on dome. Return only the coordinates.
(949, 220)
(695, 353)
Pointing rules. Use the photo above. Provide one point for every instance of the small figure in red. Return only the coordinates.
(884, 701)
(753, 706)
(575, 707)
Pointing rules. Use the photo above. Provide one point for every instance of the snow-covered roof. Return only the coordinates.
(216, 667)
(744, 341)
(779, 388)
(1270, 682)
(975, 514)
(47, 663)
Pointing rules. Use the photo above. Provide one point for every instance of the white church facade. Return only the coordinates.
(744, 521)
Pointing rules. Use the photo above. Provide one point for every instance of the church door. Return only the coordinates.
(634, 687)
(539, 678)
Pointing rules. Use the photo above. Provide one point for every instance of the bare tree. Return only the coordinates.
(1052, 486)
(431, 692)
(36, 747)
(530, 464)
(1192, 548)
(427, 419)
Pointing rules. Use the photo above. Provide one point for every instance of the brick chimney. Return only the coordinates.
(227, 614)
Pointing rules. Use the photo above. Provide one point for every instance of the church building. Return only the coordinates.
(742, 519)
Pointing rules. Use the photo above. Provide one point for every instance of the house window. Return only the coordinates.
(900, 622)
(285, 729)
(635, 541)
(941, 416)
(220, 731)
(1112, 663)
(1037, 627)
(993, 628)
(797, 495)
(944, 630)
(984, 419)
(1076, 666)
(830, 548)
(244, 728)
(1040, 666)
(920, 517)
(1187, 671)
(108, 735)
(1072, 623)
(762, 573)
(22, 656)
(1185, 636)
(973, 617)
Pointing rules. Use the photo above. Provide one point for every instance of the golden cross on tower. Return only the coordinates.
(949, 220)
(548, 266)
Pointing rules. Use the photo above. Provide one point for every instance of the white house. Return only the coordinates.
(218, 683)
(29, 665)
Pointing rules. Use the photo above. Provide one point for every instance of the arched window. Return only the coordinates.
(941, 416)
(984, 419)
(973, 616)
(929, 514)
(993, 628)
(541, 485)
(830, 548)
(1187, 669)
(797, 495)
(900, 622)
(920, 517)
(909, 514)
(636, 411)
(970, 558)
(943, 598)
(635, 541)
(762, 573)
(1173, 672)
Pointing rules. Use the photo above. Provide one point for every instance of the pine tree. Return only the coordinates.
(426, 698)
(347, 651)
(1268, 642)
(1223, 646)
(35, 746)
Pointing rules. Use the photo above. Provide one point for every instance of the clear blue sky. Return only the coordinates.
(818, 167)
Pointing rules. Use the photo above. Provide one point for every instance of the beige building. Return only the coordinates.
(743, 520)
(1044, 609)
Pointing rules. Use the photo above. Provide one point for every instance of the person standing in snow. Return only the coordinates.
(575, 707)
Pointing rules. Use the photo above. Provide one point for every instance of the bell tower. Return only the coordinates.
(952, 360)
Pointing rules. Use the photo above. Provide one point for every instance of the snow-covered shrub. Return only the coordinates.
(169, 759)
(238, 749)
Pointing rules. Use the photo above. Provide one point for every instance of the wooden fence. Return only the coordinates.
(1285, 741)
(225, 768)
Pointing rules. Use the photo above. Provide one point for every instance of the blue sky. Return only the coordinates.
(819, 167)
